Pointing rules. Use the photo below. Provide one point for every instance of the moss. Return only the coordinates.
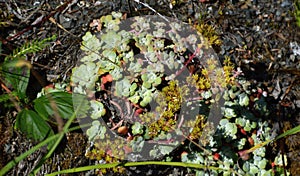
(209, 32)
(198, 127)
(228, 71)
(169, 100)
(109, 151)
(203, 80)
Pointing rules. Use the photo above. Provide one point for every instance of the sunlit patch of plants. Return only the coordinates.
(242, 127)
(133, 85)
(141, 81)
(130, 73)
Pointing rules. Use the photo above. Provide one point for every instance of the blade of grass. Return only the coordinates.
(132, 164)
(60, 137)
(15, 161)
(287, 133)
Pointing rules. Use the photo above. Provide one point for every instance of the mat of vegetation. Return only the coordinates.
(52, 52)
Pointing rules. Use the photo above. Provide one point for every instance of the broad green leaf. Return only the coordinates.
(116, 73)
(90, 57)
(134, 98)
(262, 164)
(60, 102)
(135, 67)
(137, 144)
(34, 126)
(133, 88)
(253, 169)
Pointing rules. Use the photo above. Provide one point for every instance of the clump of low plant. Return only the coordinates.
(237, 142)
(136, 62)
(169, 99)
(151, 70)
(209, 32)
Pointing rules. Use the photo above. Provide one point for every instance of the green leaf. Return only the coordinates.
(246, 166)
(223, 122)
(147, 85)
(231, 128)
(137, 144)
(134, 98)
(135, 67)
(137, 128)
(229, 112)
(86, 75)
(117, 14)
(116, 73)
(157, 81)
(253, 169)
(146, 100)
(123, 87)
(90, 58)
(61, 102)
(262, 164)
(240, 121)
(90, 43)
(98, 109)
(16, 77)
(112, 39)
(34, 126)
(165, 149)
(243, 99)
(96, 130)
(110, 54)
(154, 153)
(133, 88)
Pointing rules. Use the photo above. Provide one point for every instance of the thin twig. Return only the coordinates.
(153, 10)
